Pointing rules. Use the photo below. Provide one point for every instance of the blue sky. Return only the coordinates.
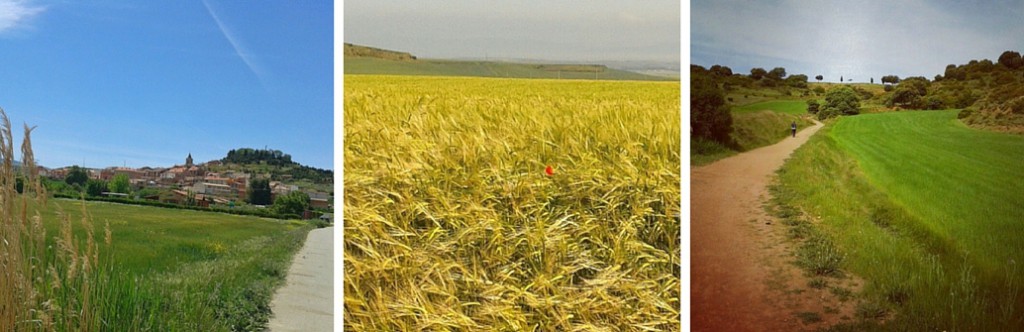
(527, 29)
(146, 83)
(854, 39)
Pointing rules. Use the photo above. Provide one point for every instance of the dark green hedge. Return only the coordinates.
(266, 213)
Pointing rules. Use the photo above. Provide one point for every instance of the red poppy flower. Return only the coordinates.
(549, 170)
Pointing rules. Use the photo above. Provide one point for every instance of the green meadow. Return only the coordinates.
(926, 210)
(170, 269)
(961, 180)
(152, 240)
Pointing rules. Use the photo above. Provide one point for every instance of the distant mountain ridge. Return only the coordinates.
(375, 61)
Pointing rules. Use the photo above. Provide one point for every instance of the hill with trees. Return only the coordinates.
(277, 166)
(733, 112)
(990, 94)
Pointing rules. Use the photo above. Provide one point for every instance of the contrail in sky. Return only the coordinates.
(15, 12)
(239, 49)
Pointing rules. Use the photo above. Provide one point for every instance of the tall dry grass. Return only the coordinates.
(42, 287)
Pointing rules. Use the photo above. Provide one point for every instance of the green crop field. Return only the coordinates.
(163, 269)
(375, 66)
(927, 211)
(795, 107)
(151, 240)
(453, 223)
(958, 180)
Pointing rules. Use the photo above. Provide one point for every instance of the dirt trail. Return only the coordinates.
(741, 276)
(306, 301)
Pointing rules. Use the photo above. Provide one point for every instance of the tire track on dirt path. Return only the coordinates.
(740, 277)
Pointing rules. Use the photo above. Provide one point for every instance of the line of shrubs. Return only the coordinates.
(265, 213)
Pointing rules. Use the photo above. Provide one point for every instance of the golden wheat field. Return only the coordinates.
(451, 221)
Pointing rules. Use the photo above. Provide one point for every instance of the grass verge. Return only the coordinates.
(918, 277)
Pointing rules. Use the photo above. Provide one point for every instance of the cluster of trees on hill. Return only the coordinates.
(253, 156)
(841, 100)
(248, 156)
(977, 85)
(758, 77)
(710, 117)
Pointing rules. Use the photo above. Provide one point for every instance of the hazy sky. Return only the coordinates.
(535, 29)
(145, 83)
(855, 39)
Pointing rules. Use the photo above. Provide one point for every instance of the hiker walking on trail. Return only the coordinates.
(793, 127)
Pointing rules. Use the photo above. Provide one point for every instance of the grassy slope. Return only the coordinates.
(755, 125)
(427, 67)
(953, 177)
(179, 269)
(795, 107)
(754, 130)
(451, 222)
(276, 172)
(923, 209)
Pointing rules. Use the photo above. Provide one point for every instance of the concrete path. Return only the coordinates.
(306, 301)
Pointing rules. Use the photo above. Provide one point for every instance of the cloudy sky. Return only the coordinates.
(534, 29)
(855, 39)
(111, 83)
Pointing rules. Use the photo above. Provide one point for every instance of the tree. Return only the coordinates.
(259, 192)
(797, 81)
(95, 187)
(76, 175)
(119, 184)
(918, 83)
(905, 97)
(819, 78)
(758, 73)
(840, 79)
(293, 203)
(840, 101)
(910, 93)
(812, 106)
(1011, 60)
(954, 73)
(890, 79)
(709, 117)
(872, 80)
(722, 71)
(777, 73)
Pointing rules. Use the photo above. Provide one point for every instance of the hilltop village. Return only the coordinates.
(249, 184)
